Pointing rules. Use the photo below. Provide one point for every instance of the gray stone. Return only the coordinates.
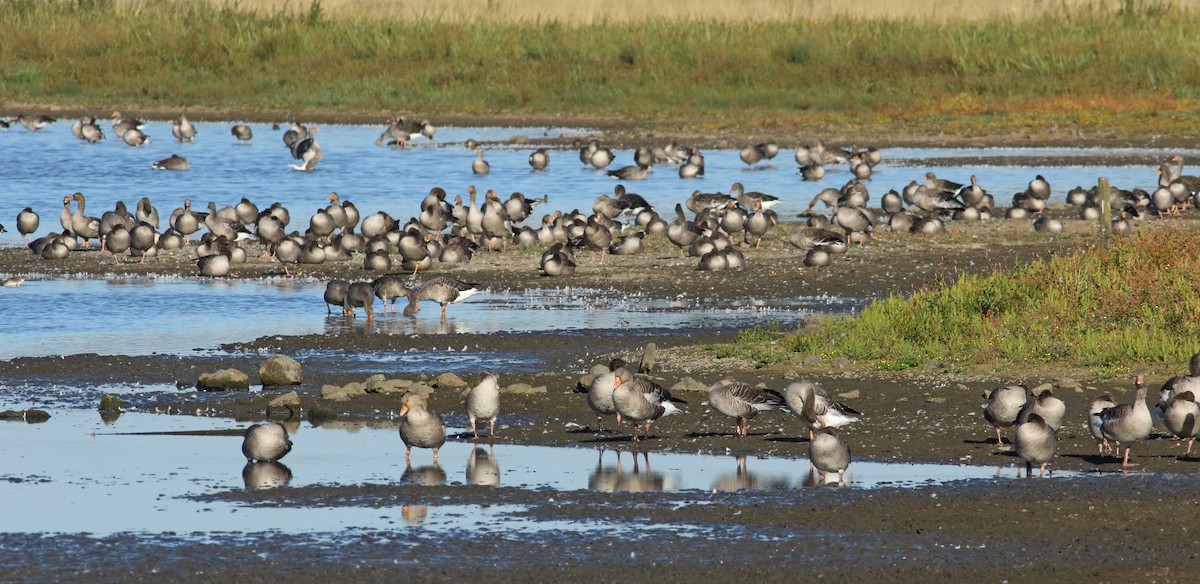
(378, 384)
(932, 365)
(318, 415)
(284, 406)
(961, 387)
(840, 361)
(280, 370)
(854, 394)
(649, 356)
(12, 415)
(1070, 384)
(355, 389)
(935, 400)
(689, 384)
(812, 361)
(523, 389)
(420, 388)
(449, 380)
(36, 416)
(1043, 387)
(223, 380)
(110, 403)
(335, 393)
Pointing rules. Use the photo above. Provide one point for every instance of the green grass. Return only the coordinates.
(1123, 68)
(1132, 305)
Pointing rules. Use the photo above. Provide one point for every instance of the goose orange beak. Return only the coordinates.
(403, 410)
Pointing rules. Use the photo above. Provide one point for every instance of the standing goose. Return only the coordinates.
(479, 165)
(1051, 409)
(360, 295)
(145, 211)
(81, 224)
(1035, 444)
(242, 132)
(117, 241)
(307, 151)
(120, 125)
(1003, 406)
(600, 394)
(335, 295)
(183, 130)
(759, 224)
(601, 157)
(817, 406)
(34, 123)
(539, 160)
(681, 232)
(265, 442)
(1181, 416)
(750, 155)
(445, 290)
(294, 134)
(483, 403)
(641, 400)
(1099, 405)
(172, 162)
(27, 223)
(135, 137)
(742, 401)
(829, 453)
(1127, 423)
(420, 426)
(142, 239)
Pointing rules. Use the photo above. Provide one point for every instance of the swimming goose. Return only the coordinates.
(479, 165)
(335, 295)
(558, 261)
(1003, 406)
(1035, 443)
(242, 132)
(87, 130)
(1126, 423)
(420, 426)
(445, 290)
(585, 153)
(81, 224)
(636, 172)
(483, 403)
(641, 400)
(393, 134)
(27, 223)
(265, 442)
(425, 129)
(183, 130)
(601, 157)
(742, 401)
(539, 160)
(1051, 409)
(36, 122)
(1094, 408)
(1181, 416)
(829, 453)
(360, 295)
(135, 137)
(121, 125)
(307, 150)
(812, 172)
(172, 162)
(692, 166)
(767, 150)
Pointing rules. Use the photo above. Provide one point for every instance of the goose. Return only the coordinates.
(1126, 423)
(558, 261)
(393, 134)
(87, 130)
(425, 129)
(172, 162)
(120, 125)
(458, 250)
(81, 224)
(539, 160)
(818, 257)
(767, 150)
(27, 223)
(597, 237)
(412, 248)
(265, 442)
(135, 137)
(635, 172)
(807, 238)
(934, 201)
(733, 219)
(601, 158)
(698, 202)
(692, 166)
(518, 208)
(307, 150)
(1094, 408)
(812, 172)
(748, 199)
(585, 153)
(1039, 188)
(242, 132)
(223, 221)
(311, 253)
(288, 252)
(829, 196)
(641, 400)
(494, 222)
(483, 403)
(1051, 409)
(216, 265)
(445, 290)
(1181, 416)
(35, 122)
(183, 130)
(1035, 443)
(145, 212)
(600, 393)
(828, 453)
(141, 239)
(474, 221)
(742, 401)
(321, 225)
(750, 155)
(479, 165)
(1003, 406)
(169, 240)
(360, 294)
(817, 406)
(420, 426)
(335, 295)
(294, 134)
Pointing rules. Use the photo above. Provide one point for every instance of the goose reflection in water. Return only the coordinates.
(414, 514)
(611, 479)
(482, 468)
(390, 324)
(743, 479)
(266, 475)
(430, 475)
(815, 478)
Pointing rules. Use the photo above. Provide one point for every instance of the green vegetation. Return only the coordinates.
(1121, 70)
(1135, 304)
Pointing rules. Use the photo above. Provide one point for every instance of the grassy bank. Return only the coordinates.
(1117, 71)
(1135, 304)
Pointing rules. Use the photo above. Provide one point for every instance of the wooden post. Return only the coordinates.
(1105, 209)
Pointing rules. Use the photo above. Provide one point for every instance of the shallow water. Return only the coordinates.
(75, 474)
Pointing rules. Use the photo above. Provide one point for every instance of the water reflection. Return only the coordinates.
(266, 475)
(430, 475)
(414, 514)
(743, 479)
(637, 479)
(482, 468)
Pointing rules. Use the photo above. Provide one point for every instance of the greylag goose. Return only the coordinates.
(483, 403)
(169, 240)
(424, 129)
(135, 137)
(87, 130)
(558, 261)
(242, 132)
(829, 453)
(265, 442)
(27, 223)
(641, 400)
(294, 134)
(172, 162)
(760, 223)
(807, 238)
(360, 294)
(692, 166)
(750, 155)
(539, 160)
(307, 151)
(479, 165)
(377, 261)
(35, 122)
(597, 237)
(393, 134)
(1003, 406)
(817, 407)
(117, 241)
(1094, 408)
(420, 426)
(1039, 188)
(698, 202)
(742, 401)
(631, 244)
(1181, 416)
(183, 130)
(145, 211)
(812, 172)
(216, 265)
(335, 295)
(1127, 423)
(142, 239)
(1035, 444)
(635, 172)
(494, 222)
(767, 150)
(585, 152)
(1051, 409)
(748, 199)
(120, 125)
(600, 393)
(81, 224)
(601, 157)
(445, 290)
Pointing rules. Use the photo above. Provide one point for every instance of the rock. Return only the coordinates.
(850, 394)
(935, 400)
(840, 361)
(334, 392)
(355, 389)
(280, 370)
(223, 380)
(284, 406)
(961, 387)
(649, 356)
(1043, 387)
(378, 384)
(689, 384)
(318, 415)
(523, 389)
(12, 415)
(110, 403)
(1070, 385)
(36, 416)
(449, 380)
(419, 388)
(931, 365)
(812, 361)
